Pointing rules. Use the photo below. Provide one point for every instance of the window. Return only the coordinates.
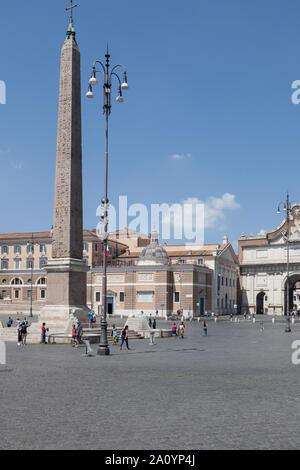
(96, 247)
(17, 282)
(86, 260)
(4, 250)
(29, 293)
(43, 248)
(222, 281)
(219, 281)
(30, 249)
(43, 262)
(29, 263)
(145, 297)
(17, 250)
(85, 246)
(4, 264)
(122, 296)
(43, 294)
(42, 281)
(4, 281)
(3, 294)
(200, 261)
(17, 294)
(17, 263)
(98, 297)
(226, 282)
(181, 261)
(177, 297)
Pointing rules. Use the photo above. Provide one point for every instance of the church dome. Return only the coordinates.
(154, 253)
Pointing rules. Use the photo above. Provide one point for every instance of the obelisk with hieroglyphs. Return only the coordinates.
(66, 271)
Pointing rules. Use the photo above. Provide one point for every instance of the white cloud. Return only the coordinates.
(194, 216)
(181, 156)
(17, 166)
(215, 208)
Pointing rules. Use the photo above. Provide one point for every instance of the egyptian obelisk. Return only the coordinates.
(66, 271)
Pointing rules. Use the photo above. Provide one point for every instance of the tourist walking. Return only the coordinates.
(124, 338)
(9, 322)
(150, 322)
(204, 325)
(181, 330)
(114, 335)
(154, 324)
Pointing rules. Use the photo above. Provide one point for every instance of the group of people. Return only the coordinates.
(178, 330)
(22, 327)
(124, 337)
(152, 323)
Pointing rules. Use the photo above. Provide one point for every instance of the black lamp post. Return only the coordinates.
(107, 74)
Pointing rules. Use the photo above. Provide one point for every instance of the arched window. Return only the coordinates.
(4, 281)
(4, 250)
(42, 281)
(16, 282)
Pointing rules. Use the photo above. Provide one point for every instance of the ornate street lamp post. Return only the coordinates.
(287, 207)
(30, 246)
(107, 75)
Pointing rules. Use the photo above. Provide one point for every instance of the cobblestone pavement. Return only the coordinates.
(235, 389)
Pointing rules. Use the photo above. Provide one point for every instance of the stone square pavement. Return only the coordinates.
(235, 389)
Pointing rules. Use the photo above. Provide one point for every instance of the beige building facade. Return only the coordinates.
(143, 276)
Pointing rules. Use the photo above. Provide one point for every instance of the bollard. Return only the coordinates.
(273, 320)
(216, 320)
(253, 320)
(293, 320)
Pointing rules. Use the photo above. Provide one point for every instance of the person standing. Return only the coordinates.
(24, 328)
(124, 338)
(154, 324)
(150, 322)
(204, 324)
(9, 322)
(174, 330)
(19, 330)
(91, 320)
(74, 335)
(44, 332)
(79, 334)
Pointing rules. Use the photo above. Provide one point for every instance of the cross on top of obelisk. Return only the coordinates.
(71, 29)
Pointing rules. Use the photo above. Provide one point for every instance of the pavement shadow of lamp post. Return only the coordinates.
(107, 74)
(287, 208)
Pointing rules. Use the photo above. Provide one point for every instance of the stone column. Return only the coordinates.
(66, 271)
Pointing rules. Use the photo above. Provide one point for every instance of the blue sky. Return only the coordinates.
(210, 83)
